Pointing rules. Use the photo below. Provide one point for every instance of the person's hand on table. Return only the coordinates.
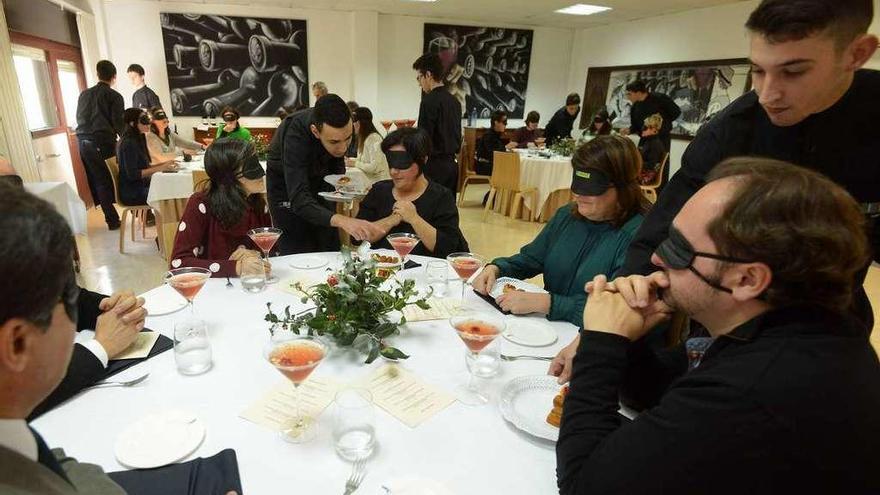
(241, 252)
(608, 310)
(251, 263)
(560, 367)
(523, 303)
(117, 327)
(511, 145)
(406, 210)
(361, 230)
(486, 279)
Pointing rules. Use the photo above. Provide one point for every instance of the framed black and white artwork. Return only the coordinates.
(256, 65)
(486, 68)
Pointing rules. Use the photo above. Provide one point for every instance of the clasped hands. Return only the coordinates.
(628, 306)
(121, 319)
(247, 258)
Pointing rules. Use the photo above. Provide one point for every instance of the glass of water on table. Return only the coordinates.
(192, 349)
(354, 433)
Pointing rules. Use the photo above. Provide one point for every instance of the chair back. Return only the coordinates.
(200, 180)
(113, 168)
(505, 171)
(659, 178)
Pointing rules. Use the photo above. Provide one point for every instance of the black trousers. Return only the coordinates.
(443, 170)
(93, 150)
(300, 236)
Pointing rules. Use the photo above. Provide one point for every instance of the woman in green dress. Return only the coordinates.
(232, 128)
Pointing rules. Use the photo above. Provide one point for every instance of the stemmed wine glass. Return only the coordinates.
(387, 125)
(265, 238)
(477, 331)
(296, 356)
(465, 265)
(403, 243)
(188, 281)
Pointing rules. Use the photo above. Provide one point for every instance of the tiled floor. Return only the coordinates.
(141, 267)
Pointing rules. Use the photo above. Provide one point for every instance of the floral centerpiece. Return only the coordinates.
(261, 145)
(352, 307)
(565, 146)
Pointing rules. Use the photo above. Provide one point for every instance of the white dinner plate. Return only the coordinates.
(308, 262)
(498, 288)
(335, 196)
(159, 439)
(526, 401)
(162, 300)
(529, 332)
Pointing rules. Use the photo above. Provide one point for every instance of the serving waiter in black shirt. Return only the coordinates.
(562, 122)
(306, 147)
(98, 122)
(812, 105)
(645, 104)
(440, 117)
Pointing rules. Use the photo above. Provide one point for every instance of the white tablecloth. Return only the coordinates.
(472, 450)
(547, 175)
(65, 200)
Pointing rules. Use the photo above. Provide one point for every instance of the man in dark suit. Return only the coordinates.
(37, 324)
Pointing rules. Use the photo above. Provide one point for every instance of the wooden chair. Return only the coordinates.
(505, 180)
(470, 175)
(200, 180)
(138, 212)
(650, 190)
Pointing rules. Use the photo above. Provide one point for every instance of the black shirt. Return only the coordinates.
(560, 126)
(133, 157)
(654, 103)
(436, 206)
(839, 142)
(295, 168)
(652, 151)
(99, 111)
(145, 98)
(785, 403)
(488, 144)
(440, 117)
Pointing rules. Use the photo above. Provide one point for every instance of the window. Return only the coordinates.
(35, 86)
(68, 79)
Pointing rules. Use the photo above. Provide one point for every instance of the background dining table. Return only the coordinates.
(468, 449)
(550, 176)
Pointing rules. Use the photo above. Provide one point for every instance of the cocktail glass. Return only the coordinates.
(403, 243)
(387, 125)
(188, 281)
(265, 238)
(465, 265)
(476, 331)
(296, 356)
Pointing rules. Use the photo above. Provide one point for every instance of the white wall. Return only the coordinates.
(400, 43)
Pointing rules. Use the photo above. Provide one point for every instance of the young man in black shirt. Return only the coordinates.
(812, 105)
(143, 96)
(440, 117)
(645, 104)
(562, 122)
(98, 122)
(784, 399)
(493, 140)
(306, 147)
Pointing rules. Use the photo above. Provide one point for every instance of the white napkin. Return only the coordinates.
(415, 485)
(162, 300)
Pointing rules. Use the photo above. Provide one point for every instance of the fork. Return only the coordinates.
(228, 283)
(358, 472)
(505, 357)
(128, 383)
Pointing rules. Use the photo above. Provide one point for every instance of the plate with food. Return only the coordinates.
(387, 262)
(336, 197)
(346, 184)
(533, 404)
(507, 284)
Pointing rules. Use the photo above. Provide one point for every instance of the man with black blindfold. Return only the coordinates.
(307, 146)
(763, 256)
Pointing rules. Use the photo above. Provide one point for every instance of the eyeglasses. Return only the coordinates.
(678, 254)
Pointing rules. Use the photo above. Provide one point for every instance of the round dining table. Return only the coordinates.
(467, 449)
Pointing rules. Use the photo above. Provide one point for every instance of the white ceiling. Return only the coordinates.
(523, 12)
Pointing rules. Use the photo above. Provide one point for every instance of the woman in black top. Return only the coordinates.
(490, 142)
(134, 159)
(409, 202)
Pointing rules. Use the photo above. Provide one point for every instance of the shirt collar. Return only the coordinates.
(806, 319)
(15, 436)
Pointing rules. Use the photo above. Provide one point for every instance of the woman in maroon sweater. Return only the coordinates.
(213, 231)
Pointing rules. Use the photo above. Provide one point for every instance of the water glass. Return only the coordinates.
(437, 273)
(192, 350)
(354, 432)
(253, 275)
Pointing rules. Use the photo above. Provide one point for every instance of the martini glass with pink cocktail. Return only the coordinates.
(296, 356)
(477, 331)
(465, 265)
(188, 281)
(265, 239)
(403, 243)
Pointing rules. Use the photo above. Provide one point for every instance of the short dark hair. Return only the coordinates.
(637, 86)
(137, 68)
(37, 247)
(806, 228)
(106, 70)
(498, 116)
(788, 20)
(429, 62)
(573, 99)
(415, 141)
(352, 105)
(330, 109)
(533, 117)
